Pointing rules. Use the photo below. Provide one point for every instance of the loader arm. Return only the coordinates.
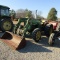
(18, 24)
(29, 24)
(26, 27)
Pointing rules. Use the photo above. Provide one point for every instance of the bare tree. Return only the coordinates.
(24, 13)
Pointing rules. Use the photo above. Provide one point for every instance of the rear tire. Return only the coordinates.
(51, 39)
(36, 34)
(6, 25)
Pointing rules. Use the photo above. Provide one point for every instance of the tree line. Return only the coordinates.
(23, 13)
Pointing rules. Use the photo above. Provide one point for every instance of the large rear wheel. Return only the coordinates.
(36, 34)
(6, 25)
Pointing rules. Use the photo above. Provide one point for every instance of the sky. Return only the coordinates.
(40, 5)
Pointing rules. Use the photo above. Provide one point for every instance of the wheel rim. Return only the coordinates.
(7, 25)
(50, 39)
(38, 35)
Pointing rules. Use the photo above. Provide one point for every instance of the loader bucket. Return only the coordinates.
(14, 41)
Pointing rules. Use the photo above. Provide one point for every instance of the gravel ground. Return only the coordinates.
(32, 51)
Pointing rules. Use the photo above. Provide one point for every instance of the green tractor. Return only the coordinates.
(33, 28)
(6, 23)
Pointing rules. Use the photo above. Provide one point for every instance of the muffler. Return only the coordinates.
(14, 41)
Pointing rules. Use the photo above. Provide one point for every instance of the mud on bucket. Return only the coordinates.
(13, 40)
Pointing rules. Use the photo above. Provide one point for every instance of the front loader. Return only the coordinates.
(33, 28)
(29, 27)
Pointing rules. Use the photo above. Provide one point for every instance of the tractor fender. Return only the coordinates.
(48, 26)
(47, 29)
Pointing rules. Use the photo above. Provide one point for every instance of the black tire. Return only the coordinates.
(51, 39)
(48, 30)
(35, 35)
(6, 25)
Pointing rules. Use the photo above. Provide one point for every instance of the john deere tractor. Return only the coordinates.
(32, 27)
(6, 23)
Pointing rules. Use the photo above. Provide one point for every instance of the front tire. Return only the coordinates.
(36, 34)
(51, 39)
